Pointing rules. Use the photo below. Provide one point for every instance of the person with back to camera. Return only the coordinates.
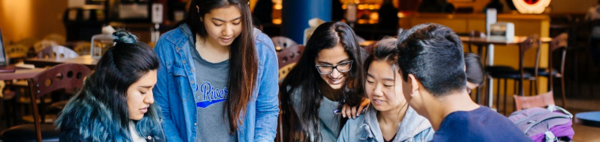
(389, 118)
(116, 102)
(434, 84)
(218, 76)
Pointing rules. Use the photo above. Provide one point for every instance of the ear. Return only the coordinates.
(414, 83)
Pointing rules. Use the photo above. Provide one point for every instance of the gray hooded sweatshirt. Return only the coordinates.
(365, 128)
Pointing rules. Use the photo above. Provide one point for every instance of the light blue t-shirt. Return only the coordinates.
(210, 96)
(329, 123)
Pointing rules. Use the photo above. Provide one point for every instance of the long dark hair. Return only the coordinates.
(305, 78)
(242, 57)
(100, 108)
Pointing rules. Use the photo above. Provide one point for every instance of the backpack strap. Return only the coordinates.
(553, 108)
(532, 123)
(549, 137)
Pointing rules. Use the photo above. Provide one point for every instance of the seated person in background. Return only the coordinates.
(593, 16)
(474, 70)
(388, 16)
(434, 84)
(116, 102)
(263, 11)
(389, 118)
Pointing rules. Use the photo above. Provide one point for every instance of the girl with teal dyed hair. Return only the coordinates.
(116, 102)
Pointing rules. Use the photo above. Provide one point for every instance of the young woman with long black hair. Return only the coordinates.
(218, 76)
(328, 75)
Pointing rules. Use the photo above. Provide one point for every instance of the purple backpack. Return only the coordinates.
(544, 124)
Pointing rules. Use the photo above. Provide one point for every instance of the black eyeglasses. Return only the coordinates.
(342, 67)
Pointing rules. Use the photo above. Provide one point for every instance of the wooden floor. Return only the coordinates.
(584, 133)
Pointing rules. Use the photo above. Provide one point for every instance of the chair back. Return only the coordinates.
(57, 51)
(281, 42)
(541, 100)
(43, 44)
(301, 49)
(283, 71)
(17, 49)
(532, 41)
(559, 42)
(289, 55)
(63, 76)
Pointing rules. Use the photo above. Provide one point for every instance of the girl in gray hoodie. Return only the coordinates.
(389, 118)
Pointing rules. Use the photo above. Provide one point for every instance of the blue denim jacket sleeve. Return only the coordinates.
(345, 132)
(161, 91)
(267, 103)
(354, 130)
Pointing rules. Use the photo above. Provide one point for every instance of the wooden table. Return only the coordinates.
(591, 118)
(21, 74)
(490, 42)
(84, 60)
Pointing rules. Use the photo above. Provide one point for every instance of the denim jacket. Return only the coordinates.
(365, 128)
(176, 78)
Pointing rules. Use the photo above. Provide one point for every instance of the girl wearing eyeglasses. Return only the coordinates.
(327, 77)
